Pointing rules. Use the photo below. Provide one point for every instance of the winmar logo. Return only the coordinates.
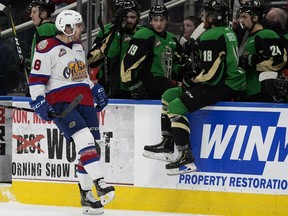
(237, 147)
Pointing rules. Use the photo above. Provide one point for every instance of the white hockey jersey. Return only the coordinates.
(59, 72)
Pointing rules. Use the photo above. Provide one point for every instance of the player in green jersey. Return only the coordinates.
(152, 60)
(276, 20)
(217, 79)
(263, 52)
(40, 13)
(113, 45)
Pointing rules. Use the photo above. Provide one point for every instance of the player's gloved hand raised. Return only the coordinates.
(137, 90)
(42, 108)
(100, 97)
(118, 19)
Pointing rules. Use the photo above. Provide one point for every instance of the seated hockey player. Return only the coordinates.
(217, 78)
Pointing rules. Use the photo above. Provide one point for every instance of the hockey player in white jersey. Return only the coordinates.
(58, 75)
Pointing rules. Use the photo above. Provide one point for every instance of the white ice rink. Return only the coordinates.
(17, 209)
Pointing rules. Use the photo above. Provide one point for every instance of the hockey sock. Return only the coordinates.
(180, 130)
(165, 121)
(90, 160)
(84, 179)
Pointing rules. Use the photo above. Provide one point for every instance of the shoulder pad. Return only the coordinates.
(269, 33)
(46, 45)
(143, 33)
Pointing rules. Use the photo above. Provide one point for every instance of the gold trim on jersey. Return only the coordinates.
(203, 77)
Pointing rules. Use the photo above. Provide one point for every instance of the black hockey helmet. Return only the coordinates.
(253, 8)
(117, 4)
(217, 9)
(132, 6)
(158, 10)
(44, 5)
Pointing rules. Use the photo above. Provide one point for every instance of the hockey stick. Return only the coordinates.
(198, 31)
(99, 19)
(230, 13)
(71, 106)
(243, 43)
(195, 35)
(105, 66)
(7, 11)
(182, 40)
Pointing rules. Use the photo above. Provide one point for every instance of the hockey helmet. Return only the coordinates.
(132, 6)
(217, 9)
(253, 8)
(158, 10)
(44, 5)
(68, 17)
(117, 4)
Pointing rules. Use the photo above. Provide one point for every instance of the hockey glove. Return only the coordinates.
(137, 90)
(118, 19)
(187, 73)
(248, 61)
(42, 108)
(277, 88)
(100, 97)
(190, 46)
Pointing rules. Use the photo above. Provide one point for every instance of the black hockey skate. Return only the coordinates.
(104, 192)
(184, 163)
(90, 205)
(162, 151)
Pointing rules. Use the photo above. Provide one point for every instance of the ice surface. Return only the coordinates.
(17, 209)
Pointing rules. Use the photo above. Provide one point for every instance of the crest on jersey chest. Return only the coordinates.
(127, 38)
(76, 71)
(62, 52)
(166, 61)
(157, 43)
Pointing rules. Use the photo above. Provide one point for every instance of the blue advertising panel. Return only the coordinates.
(244, 144)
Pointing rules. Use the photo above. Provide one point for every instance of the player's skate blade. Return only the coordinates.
(167, 157)
(92, 211)
(90, 205)
(182, 170)
(162, 151)
(107, 198)
(184, 163)
(104, 192)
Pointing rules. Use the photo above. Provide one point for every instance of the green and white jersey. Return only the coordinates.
(268, 54)
(151, 54)
(218, 56)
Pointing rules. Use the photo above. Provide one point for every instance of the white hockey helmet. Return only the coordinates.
(68, 17)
